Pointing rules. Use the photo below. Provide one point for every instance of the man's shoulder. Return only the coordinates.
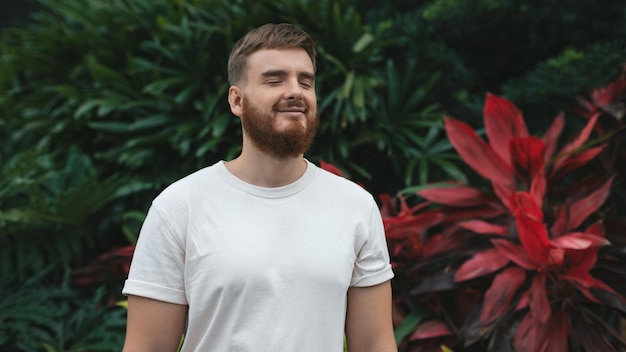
(188, 186)
(340, 186)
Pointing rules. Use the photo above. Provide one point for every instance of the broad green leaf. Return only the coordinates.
(150, 122)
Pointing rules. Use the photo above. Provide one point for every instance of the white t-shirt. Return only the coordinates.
(262, 269)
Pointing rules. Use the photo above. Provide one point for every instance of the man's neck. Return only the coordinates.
(263, 170)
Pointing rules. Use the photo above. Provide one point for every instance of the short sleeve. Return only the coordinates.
(372, 266)
(157, 267)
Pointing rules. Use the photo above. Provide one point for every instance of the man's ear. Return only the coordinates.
(235, 100)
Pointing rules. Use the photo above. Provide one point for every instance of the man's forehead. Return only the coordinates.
(287, 59)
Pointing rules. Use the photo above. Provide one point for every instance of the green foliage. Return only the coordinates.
(503, 42)
(104, 103)
(44, 198)
(56, 318)
(141, 85)
(557, 81)
(128, 82)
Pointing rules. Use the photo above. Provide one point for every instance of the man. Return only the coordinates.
(266, 252)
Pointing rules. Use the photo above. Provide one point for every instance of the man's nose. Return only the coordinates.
(294, 90)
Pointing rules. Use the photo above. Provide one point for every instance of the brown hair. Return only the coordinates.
(268, 36)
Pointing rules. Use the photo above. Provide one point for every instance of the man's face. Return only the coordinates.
(279, 107)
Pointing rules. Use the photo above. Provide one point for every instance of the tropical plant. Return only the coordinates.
(140, 86)
(513, 265)
(44, 199)
(41, 317)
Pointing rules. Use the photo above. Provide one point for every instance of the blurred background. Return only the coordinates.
(105, 103)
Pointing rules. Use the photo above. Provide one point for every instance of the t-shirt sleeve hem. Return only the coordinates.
(148, 290)
(374, 279)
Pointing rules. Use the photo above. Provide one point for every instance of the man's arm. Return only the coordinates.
(154, 326)
(369, 327)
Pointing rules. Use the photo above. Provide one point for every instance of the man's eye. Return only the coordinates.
(307, 84)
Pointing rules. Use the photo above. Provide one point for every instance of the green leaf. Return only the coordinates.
(111, 126)
(150, 122)
(365, 40)
(131, 224)
(347, 86)
(451, 169)
(409, 324)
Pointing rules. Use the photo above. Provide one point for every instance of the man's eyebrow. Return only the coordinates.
(307, 75)
(282, 73)
(274, 73)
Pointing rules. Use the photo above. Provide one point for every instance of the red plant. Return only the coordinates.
(405, 228)
(109, 268)
(529, 247)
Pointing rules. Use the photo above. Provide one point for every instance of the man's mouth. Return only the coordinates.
(300, 110)
(292, 107)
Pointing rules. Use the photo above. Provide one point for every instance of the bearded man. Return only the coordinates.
(266, 252)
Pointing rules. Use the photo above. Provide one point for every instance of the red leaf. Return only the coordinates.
(552, 135)
(410, 225)
(394, 207)
(530, 335)
(528, 156)
(582, 137)
(515, 253)
(585, 107)
(556, 257)
(610, 94)
(482, 263)
(584, 280)
(530, 228)
(559, 226)
(504, 193)
(523, 301)
(578, 240)
(538, 298)
(580, 210)
(538, 188)
(596, 229)
(441, 243)
(584, 260)
(461, 214)
(330, 168)
(430, 329)
(388, 207)
(555, 339)
(477, 153)
(483, 227)
(503, 122)
(524, 205)
(500, 294)
(455, 195)
(573, 162)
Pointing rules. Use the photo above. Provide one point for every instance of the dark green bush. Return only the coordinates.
(36, 317)
(141, 85)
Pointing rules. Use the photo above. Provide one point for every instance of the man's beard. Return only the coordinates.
(293, 141)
